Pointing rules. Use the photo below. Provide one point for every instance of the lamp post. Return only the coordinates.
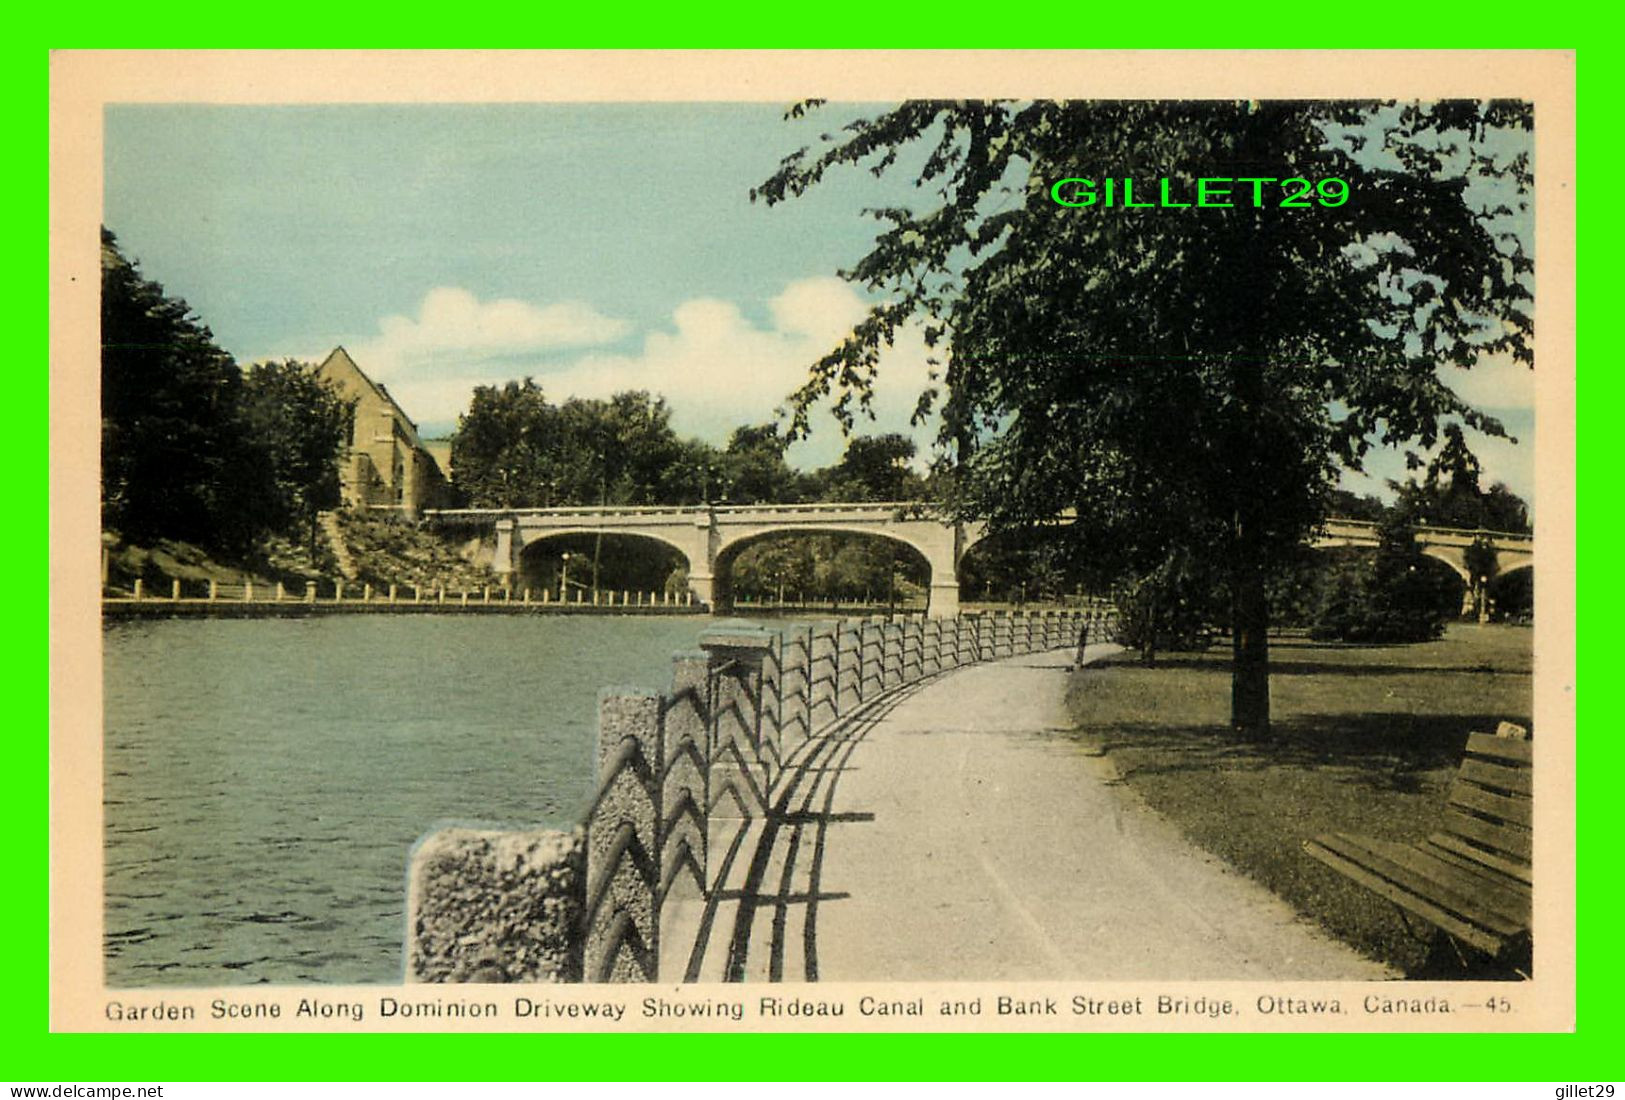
(1483, 598)
(564, 577)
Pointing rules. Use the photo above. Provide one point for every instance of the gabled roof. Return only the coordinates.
(339, 362)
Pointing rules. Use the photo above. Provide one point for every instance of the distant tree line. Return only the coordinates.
(193, 447)
(514, 448)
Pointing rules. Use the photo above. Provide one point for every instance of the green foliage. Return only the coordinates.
(1393, 595)
(174, 448)
(1450, 493)
(752, 469)
(875, 468)
(299, 423)
(190, 449)
(515, 449)
(1187, 381)
(386, 551)
(1169, 608)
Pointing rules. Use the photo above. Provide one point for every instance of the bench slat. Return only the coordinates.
(1513, 843)
(1493, 893)
(1508, 749)
(1518, 811)
(1458, 851)
(1488, 773)
(1404, 898)
(1495, 908)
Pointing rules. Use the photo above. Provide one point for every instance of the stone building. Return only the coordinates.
(387, 465)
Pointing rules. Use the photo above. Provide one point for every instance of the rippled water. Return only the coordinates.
(265, 779)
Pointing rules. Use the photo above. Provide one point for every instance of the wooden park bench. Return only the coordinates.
(1472, 880)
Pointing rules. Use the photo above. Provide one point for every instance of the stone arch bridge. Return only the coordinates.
(710, 536)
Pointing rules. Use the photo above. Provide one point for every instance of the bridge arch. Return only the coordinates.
(539, 561)
(736, 544)
(1453, 557)
(1512, 592)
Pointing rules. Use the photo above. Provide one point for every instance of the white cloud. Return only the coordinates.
(716, 368)
(455, 335)
(1495, 382)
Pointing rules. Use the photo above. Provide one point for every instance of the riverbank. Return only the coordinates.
(1365, 739)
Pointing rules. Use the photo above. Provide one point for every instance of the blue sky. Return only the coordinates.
(596, 247)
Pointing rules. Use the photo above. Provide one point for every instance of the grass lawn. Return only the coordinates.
(1365, 739)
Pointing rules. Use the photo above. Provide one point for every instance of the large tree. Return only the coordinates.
(175, 461)
(1186, 378)
(299, 423)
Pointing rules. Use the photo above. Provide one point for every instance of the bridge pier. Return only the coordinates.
(703, 585)
(943, 602)
(502, 561)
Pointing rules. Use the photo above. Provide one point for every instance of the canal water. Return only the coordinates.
(266, 779)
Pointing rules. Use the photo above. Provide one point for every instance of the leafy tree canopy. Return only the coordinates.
(191, 449)
(173, 444)
(1188, 380)
(299, 422)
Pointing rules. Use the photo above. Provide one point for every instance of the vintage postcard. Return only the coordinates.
(812, 541)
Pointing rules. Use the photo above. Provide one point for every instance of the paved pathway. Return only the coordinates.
(952, 832)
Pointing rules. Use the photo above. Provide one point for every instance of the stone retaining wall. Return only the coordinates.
(682, 774)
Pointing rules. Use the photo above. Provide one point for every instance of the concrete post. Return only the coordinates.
(214, 589)
(891, 661)
(849, 668)
(623, 830)
(310, 591)
(687, 744)
(738, 782)
(138, 588)
(770, 747)
(485, 594)
(822, 673)
(107, 565)
(281, 593)
(248, 591)
(795, 690)
(175, 588)
(392, 593)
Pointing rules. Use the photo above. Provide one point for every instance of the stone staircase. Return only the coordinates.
(329, 523)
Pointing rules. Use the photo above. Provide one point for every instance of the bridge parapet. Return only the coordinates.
(686, 778)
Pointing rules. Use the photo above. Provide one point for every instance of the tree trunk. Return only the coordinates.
(1148, 636)
(1250, 664)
